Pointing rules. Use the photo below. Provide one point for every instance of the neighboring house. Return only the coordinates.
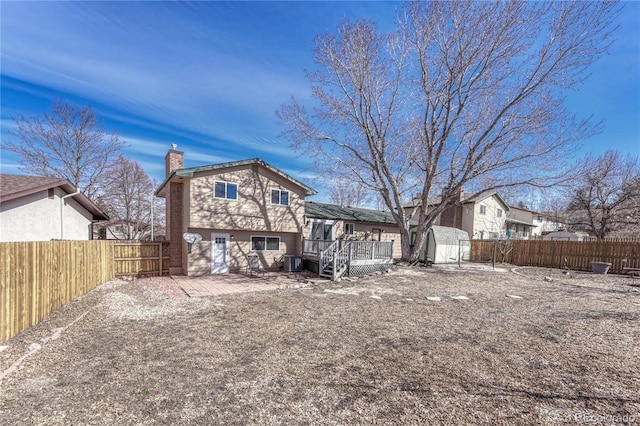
(545, 223)
(239, 208)
(37, 208)
(124, 230)
(482, 216)
(519, 223)
(330, 222)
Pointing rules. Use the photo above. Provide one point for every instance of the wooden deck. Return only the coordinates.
(334, 259)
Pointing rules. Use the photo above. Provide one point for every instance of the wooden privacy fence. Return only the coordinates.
(139, 259)
(552, 254)
(36, 278)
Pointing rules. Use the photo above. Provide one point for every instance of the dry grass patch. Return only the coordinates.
(369, 351)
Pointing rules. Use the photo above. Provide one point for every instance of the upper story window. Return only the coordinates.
(348, 229)
(226, 190)
(483, 209)
(499, 213)
(280, 197)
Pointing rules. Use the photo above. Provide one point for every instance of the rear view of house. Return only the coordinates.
(39, 208)
(238, 209)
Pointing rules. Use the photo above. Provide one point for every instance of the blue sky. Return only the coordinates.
(210, 75)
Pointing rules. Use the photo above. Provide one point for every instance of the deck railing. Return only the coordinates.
(316, 247)
(336, 256)
(362, 250)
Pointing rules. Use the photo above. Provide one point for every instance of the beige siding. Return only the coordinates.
(252, 210)
(199, 260)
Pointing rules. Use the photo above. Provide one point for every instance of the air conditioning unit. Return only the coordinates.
(293, 263)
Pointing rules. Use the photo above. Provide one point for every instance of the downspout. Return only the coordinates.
(62, 202)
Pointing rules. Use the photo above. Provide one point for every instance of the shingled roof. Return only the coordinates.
(17, 186)
(350, 214)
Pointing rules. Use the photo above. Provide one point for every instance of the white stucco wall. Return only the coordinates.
(36, 217)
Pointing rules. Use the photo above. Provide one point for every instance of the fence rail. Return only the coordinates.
(36, 278)
(135, 258)
(552, 254)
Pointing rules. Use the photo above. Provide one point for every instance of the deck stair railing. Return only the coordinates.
(341, 260)
(340, 257)
(326, 257)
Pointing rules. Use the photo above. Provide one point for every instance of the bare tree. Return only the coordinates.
(127, 198)
(350, 194)
(606, 194)
(463, 92)
(68, 142)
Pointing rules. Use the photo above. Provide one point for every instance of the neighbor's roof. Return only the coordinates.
(189, 172)
(465, 199)
(483, 196)
(17, 186)
(519, 222)
(350, 214)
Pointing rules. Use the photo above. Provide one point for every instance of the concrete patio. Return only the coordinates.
(216, 285)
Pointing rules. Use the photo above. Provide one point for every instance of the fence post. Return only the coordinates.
(160, 259)
(493, 258)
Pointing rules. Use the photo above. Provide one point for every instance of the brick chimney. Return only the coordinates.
(457, 196)
(174, 160)
(452, 215)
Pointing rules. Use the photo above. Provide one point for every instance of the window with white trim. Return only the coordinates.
(226, 190)
(348, 229)
(499, 214)
(280, 197)
(483, 209)
(265, 243)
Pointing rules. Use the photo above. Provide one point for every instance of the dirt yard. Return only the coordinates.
(413, 346)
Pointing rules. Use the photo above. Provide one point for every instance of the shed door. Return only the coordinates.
(220, 253)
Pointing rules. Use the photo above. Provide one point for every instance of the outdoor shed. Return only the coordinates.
(446, 245)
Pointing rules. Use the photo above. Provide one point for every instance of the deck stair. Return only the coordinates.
(350, 257)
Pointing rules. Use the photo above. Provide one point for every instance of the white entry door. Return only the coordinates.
(220, 253)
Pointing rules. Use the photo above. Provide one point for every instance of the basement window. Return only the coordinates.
(265, 243)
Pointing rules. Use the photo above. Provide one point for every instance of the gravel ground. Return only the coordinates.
(437, 345)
